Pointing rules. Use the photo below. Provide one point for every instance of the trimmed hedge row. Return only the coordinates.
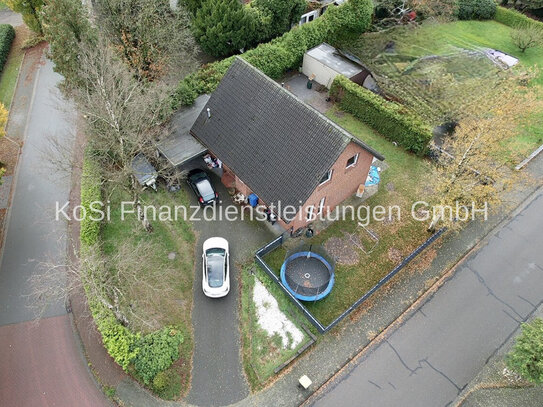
(91, 191)
(388, 118)
(513, 18)
(7, 35)
(283, 53)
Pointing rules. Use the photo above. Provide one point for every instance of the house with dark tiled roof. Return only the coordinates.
(276, 146)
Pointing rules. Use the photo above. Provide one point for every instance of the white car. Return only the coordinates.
(216, 268)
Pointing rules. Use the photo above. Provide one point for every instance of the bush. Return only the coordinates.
(283, 53)
(167, 384)
(91, 191)
(156, 352)
(118, 340)
(7, 35)
(476, 9)
(513, 18)
(388, 118)
(526, 357)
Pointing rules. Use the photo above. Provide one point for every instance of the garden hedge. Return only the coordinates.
(476, 9)
(388, 118)
(91, 191)
(283, 53)
(7, 35)
(513, 18)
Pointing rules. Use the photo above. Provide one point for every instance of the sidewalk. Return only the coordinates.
(11, 146)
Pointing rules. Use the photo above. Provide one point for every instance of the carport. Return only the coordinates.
(181, 147)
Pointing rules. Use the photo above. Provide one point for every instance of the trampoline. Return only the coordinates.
(307, 275)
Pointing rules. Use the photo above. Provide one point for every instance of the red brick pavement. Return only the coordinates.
(40, 365)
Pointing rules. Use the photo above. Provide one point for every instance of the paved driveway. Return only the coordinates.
(217, 377)
(40, 365)
(436, 352)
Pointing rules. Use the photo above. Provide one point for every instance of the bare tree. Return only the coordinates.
(125, 282)
(475, 172)
(152, 37)
(527, 36)
(123, 116)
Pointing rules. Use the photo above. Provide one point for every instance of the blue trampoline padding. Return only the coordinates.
(373, 176)
(253, 200)
(305, 297)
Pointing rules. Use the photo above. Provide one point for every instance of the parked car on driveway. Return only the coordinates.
(203, 188)
(216, 267)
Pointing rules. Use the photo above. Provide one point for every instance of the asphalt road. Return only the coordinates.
(432, 356)
(40, 362)
(217, 376)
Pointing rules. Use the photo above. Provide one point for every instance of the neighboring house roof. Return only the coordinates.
(181, 146)
(275, 143)
(330, 57)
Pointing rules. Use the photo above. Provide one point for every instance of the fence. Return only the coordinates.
(314, 321)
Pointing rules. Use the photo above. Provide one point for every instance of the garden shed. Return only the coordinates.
(324, 62)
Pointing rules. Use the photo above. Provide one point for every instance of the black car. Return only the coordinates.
(201, 185)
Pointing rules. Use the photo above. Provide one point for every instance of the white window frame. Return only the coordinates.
(355, 161)
(321, 205)
(310, 213)
(329, 173)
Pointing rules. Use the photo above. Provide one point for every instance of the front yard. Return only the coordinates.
(160, 293)
(271, 330)
(402, 184)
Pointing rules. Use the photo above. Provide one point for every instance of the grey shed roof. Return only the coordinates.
(143, 169)
(332, 58)
(181, 146)
(279, 146)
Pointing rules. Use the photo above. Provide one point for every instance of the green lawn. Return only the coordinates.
(432, 38)
(405, 179)
(8, 78)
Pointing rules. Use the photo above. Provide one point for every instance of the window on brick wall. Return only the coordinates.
(351, 162)
(326, 177)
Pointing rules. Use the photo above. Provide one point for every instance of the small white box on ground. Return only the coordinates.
(305, 382)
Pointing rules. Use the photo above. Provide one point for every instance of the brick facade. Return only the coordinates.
(343, 183)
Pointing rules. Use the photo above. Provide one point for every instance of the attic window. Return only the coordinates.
(351, 162)
(326, 177)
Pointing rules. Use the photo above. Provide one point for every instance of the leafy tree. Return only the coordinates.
(527, 36)
(223, 27)
(65, 25)
(30, 10)
(150, 36)
(283, 13)
(353, 17)
(526, 357)
(472, 171)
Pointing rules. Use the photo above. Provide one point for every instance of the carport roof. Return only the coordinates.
(274, 142)
(182, 146)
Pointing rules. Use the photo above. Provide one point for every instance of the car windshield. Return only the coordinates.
(215, 267)
(205, 189)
